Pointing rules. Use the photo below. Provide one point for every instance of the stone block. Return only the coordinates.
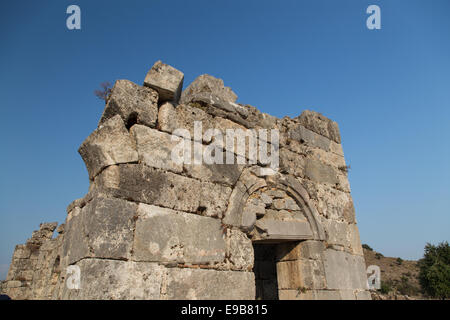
(184, 117)
(329, 158)
(363, 295)
(166, 118)
(165, 235)
(344, 270)
(256, 208)
(202, 284)
(354, 239)
(108, 225)
(308, 137)
(286, 230)
(320, 172)
(21, 252)
(75, 245)
(133, 103)
(109, 144)
(155, 148)
(337, 231)
(320, 124)
(305, 274)
(308, 249)
(248, 220)
(219, 172)
(166, 80)
(151, 186)
(13, 284)
(117, 280)
(336, 148)
(102, 229)
(236, 204)
(285, 204)
(206, 84)
(239, 250)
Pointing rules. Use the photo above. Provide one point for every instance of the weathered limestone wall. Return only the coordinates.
(35, 267)
(153, 228)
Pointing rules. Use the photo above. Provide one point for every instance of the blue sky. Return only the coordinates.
(388, 89)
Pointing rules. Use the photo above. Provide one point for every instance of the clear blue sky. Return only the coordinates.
(388, 89)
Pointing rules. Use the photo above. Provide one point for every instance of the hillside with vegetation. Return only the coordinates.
(427, 278)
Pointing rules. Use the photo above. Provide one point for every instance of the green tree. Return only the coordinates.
(434, 275)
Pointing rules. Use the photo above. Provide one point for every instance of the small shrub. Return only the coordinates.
(378, 255)
(385, 287)
(406, 288)
(399, 261)
(104, 92)
(367, 247)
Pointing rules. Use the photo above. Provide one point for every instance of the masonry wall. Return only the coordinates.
(152, 228)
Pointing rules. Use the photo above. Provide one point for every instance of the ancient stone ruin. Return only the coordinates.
(151, 227)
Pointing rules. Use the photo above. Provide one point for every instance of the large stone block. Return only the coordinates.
(117, 280)
(109, 144)
(220, 172)
(338, 232)
(201, 284)
(286, 230)
(166, 80)
(308, 249)
(109, 225)
(320, 172)
(133, 103)
(75, 246)
(305, 274)
(102, 229)
(151, 186)
(363, 295)
(206, 84)
(184, 117)
(155, 148)
(165, 235)
(344, 270)
(320, 124)
(308, 137)
(330, 158)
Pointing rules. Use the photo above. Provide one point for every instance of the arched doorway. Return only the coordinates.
(277, 214)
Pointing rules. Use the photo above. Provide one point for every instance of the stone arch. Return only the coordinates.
(251, 181)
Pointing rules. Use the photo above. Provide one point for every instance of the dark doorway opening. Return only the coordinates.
(265, 270)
